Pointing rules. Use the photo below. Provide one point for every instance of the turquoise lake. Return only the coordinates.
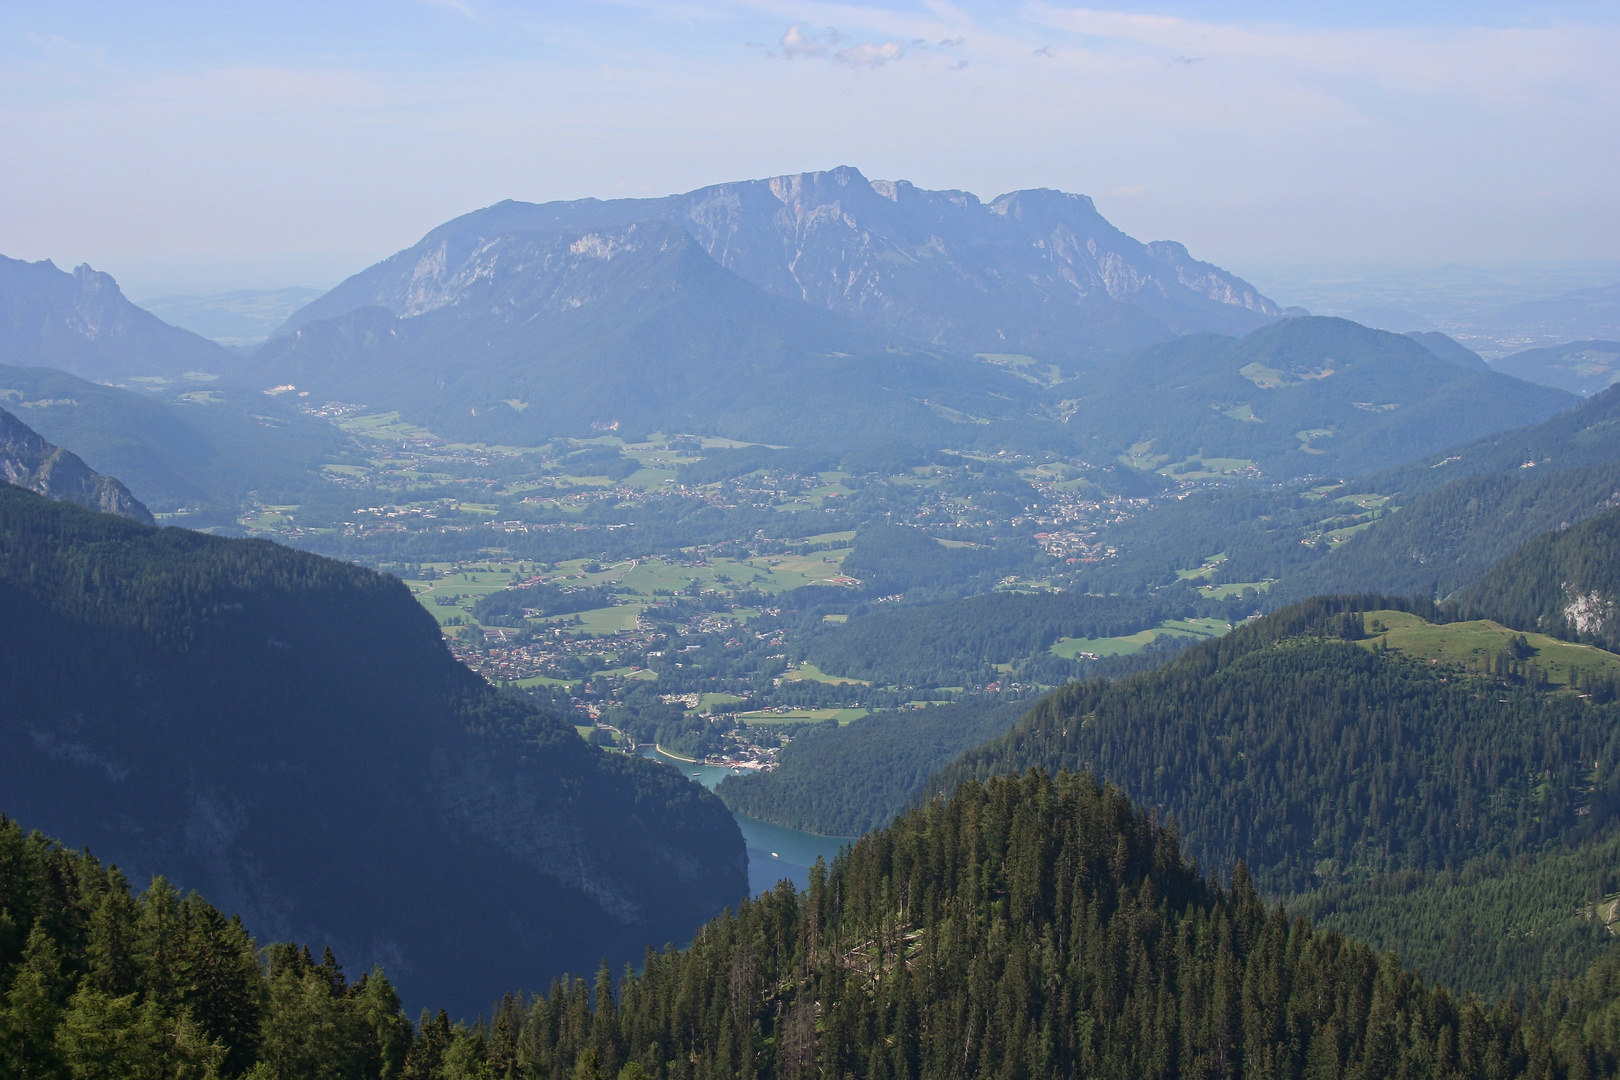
(774, 851)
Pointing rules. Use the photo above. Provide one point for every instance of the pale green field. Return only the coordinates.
(597, 622)
(1070, 648)
(1210, 565)
(1475, 645)
(811, 673)
(707, 702)
(1221, 592)
(1339, 536)
(799, 716)
(647, 579)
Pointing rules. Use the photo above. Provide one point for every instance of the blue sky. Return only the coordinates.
(202, 146)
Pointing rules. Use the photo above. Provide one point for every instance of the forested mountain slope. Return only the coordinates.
(1565, 583)
(1032, 271)
(1027, 927)
(944, 644)
(80, 322)
(633, 329)
(1300, 397)
(1581, 367)
(1586, 435)
(1449, 348)
(189, 446)
(290, 734)
(1298, 744)
(1448, 538)
(28, 461)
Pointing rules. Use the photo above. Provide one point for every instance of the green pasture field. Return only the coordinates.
(599, 622)
(542, 680)
(1475, 645)
(1070, 648)
(1339, 536)
(1201, 468)
(810, 673)
(707, 702)
(1221, 592)
(1211, 564)
(799, 716)
(646, 579)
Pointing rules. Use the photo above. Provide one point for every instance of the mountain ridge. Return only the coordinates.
(911, 261)
(631, 328)
(29, 462)
(81, 323)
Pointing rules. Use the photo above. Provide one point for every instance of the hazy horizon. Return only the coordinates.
(183, 144)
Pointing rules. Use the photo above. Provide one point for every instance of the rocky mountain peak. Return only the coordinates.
(1038, 271)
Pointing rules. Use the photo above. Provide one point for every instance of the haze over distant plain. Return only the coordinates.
(196, 147)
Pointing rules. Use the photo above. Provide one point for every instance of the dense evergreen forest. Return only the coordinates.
(291, 735)
(956, 642)
(1449, 537)
(1321, 760)
(1565, 583)
(843, 781)
(1027, 927)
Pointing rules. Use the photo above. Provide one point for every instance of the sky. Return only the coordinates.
(199, 147)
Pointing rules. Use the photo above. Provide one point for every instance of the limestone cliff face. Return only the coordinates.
(1034, 270)
(28, 461)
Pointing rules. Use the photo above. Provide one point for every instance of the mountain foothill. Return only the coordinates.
(1354, 812)
(289, 735)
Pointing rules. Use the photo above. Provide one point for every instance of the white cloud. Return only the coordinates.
(797, 44)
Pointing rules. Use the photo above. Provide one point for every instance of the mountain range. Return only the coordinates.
(81, 323)
(631, 329)
(1037, 272)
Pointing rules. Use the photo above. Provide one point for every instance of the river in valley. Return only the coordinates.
(774, 851)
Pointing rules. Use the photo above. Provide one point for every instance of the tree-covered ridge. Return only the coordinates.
(1450, 537)
(291, 735)
(1026, 927)
(1298, 398)
(944, 644)
(1565, 583)
(30, 462)
(1317, 759)
(1495, 926)
(1029, 927)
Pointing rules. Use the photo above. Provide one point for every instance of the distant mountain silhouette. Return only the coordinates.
(28, 461)
(81, 323)
(1301, 397)
(631, 328)
(1447, 348)
(187, 445)
(1581, 367)
(1037, 272)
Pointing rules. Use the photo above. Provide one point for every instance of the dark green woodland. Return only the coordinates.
(1026, 927)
